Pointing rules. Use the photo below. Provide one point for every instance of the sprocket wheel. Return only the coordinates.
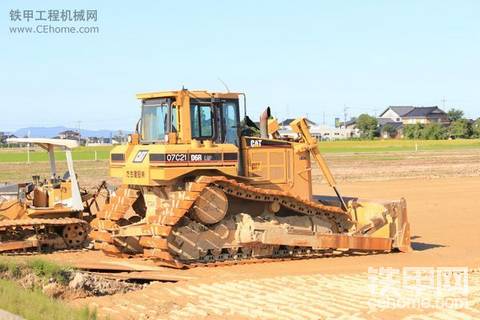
(74, 235)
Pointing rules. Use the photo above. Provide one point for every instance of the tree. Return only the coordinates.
(460, 129)
(367, 125)
(476, 129)
(413, 131)
(434, 131)
(454, 114)
(389, 130)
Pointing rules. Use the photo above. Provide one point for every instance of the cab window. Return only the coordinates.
(201, 121)
(174, 120)
(230, 122)
(154, 120)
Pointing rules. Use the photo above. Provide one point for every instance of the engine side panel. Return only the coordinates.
(277, 164)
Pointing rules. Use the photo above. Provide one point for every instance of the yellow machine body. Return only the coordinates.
(269, 163)
(193, 168)
(46, 213)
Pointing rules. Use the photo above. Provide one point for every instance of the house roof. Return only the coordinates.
(350, 122)
(424, 111)
(410, 111)
(395, 125)
(383, 121)
(400, 110)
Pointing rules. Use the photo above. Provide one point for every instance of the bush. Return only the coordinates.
(413, 131)
(434, 131)
(34, 305)
(390, 130)
(41, 268)
(47, 269)
(12, 267)
(431, 131)
(476, 129)
(460, 129)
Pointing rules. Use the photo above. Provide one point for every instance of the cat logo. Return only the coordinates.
(255, 143)
(140, 156)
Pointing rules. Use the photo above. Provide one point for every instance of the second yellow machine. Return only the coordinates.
(201, 185)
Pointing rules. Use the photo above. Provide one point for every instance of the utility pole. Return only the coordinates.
(323, 117)
(443, 103)
(345, 108)
(78, 129)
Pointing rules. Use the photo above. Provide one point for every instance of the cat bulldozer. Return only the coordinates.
(45, 214)
(201, 186)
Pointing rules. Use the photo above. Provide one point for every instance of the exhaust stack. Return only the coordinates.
(264, 123)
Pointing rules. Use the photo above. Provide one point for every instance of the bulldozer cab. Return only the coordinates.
(53, 195)
(184, 116)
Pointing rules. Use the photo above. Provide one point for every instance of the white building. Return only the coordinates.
(320, 132)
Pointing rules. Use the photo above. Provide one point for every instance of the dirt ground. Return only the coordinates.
(400, 165)
(90, 173)
(442, 191)
(444, 220)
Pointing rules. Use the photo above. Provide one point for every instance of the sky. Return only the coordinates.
(301, 58)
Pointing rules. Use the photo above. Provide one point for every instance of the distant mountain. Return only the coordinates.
(49, 132)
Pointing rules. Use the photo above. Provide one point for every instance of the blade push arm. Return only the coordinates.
(300, 126)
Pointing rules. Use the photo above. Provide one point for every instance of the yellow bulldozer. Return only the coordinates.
(48, 213)
(200, 186)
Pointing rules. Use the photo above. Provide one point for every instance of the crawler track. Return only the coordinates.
(155, 232)
(20, 236)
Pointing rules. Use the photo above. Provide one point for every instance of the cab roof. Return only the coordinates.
(199, 94)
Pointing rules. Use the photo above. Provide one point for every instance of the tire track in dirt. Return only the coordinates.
(315, 296)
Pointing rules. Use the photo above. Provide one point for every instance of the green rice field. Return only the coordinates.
(340, 146)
